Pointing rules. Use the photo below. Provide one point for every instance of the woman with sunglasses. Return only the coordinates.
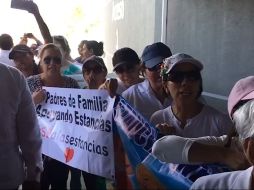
(149, 96)
(187, 116)
(55, 173)
(236, 153)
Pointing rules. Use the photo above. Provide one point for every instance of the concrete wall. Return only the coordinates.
(130, 23)
(220, 33)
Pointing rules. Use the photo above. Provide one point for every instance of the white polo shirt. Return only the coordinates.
(143, 99)
(228, 180)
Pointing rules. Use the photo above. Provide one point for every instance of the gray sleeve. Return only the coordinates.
(28, 132)
(172, 149)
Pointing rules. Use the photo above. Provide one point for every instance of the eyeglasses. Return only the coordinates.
(179, 76)
(155, 68)
(56, 60)
(127, 68)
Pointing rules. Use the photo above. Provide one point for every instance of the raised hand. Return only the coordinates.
(111, 86)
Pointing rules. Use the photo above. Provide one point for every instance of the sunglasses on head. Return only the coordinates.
(155, 68)
(179, 76)
(56, 60)
(125, 68)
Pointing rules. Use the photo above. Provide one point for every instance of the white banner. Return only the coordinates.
(76, 127)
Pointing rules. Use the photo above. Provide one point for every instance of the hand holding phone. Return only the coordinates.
(29, 35)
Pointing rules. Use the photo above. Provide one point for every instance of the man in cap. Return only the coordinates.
(24, 60)
(149, 96)
(241, 110)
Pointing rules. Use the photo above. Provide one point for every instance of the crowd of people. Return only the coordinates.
(165, 88)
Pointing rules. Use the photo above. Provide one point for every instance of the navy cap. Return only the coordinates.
(154, 54)
(125, 56)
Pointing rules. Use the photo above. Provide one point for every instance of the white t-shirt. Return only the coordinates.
(227, 180)
(209, 122)
(143, 99)
(4, 58)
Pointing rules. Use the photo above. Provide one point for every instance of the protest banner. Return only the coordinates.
(138, 136)
(76, 128)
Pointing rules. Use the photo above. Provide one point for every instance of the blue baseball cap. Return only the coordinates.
(154, 54)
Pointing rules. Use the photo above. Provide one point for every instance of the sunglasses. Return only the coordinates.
(127, 68)
(56, 60)
(179, 76)
(155, 68)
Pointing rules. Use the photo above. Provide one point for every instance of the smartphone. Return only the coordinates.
(20, 4)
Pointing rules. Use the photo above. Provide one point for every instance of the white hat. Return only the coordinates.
(171, 62)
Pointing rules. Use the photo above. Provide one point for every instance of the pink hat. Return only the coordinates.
(242, 90)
